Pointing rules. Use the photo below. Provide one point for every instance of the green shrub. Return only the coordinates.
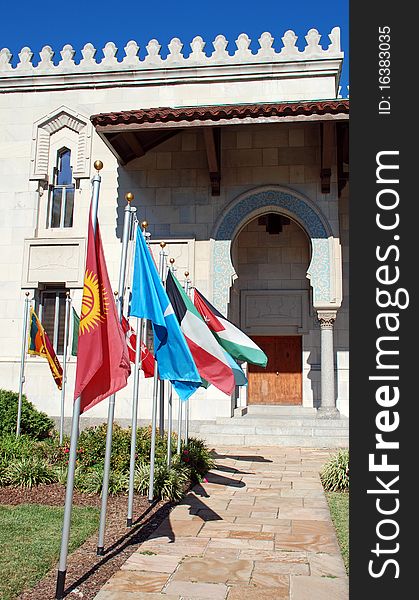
(143, 445)
(335, 473)
(4, 476)
(52, 451)
(173, 484)
(12, 447)
(92, 444)
(169, 484)
(90, 481)
(33, 461)
(34, 423)
(29, 471)
(197, 459)
(61, 474)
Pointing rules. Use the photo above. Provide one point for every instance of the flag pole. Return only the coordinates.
(155, 393)
(179, 425)
(62, 565)
(141, 334)
(187, 288)
(169, 423)
(170, 399)
(129, 211)
(66, 328)
(22, 362)
(161, 383)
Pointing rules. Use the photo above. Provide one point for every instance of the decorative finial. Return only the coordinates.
(171, 261)
(129, 197)
(115, 293)
(67, 294)
(98, 165)
(27, 294)
(144, 224)
(162, 244)
(186, 273)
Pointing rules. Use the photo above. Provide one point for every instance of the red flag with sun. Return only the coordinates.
(103, 364)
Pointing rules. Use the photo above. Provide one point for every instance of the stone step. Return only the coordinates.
(270, 410)
(229, 439)
(280, 430)
(282, 421)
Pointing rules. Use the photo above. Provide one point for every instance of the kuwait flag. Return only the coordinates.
(210, 360)
(230, 337)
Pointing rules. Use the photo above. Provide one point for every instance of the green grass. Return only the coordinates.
(339, 510)
(30, 537)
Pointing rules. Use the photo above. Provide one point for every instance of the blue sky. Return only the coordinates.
(59, 22)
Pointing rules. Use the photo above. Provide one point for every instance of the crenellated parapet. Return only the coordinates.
(176, 62)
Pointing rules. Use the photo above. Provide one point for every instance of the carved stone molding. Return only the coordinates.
(323, 268)
(45, 127)
(326, 319)
(92, 60)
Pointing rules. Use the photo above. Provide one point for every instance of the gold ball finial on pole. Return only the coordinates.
(144, 224)
(27, 294)
(171, 261)
(98, 165)
(129, 197)
(186, 273)
(162, 244)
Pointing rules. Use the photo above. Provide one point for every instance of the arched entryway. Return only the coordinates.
(323, 274)
(270, 302)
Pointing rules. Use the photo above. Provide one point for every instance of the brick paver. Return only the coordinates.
(258, 529)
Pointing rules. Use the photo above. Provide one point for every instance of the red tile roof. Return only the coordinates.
(216, 113)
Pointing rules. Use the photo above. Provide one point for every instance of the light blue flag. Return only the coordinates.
(150, 301)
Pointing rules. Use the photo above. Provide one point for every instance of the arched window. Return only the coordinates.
(61, 196)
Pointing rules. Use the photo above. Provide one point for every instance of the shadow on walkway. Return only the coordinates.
(247, 458)
(135, 535)
(159, 521)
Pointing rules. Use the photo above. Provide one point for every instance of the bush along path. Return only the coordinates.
(25, 462)
(335, 480)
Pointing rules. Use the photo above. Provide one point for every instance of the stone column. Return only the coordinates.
(327, 409)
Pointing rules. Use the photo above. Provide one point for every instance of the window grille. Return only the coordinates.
(51, 312)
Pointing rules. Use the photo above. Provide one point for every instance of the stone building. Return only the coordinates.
(238, 159)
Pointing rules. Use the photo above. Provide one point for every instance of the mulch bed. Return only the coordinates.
(87, 572)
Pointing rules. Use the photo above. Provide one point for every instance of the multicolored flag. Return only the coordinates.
(147, 359)
(209, 357)
(239, 376)
(103, 365)
(230, 337)
(150, 301)
(40, 345)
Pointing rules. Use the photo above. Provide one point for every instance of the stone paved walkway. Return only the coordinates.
(258, 529)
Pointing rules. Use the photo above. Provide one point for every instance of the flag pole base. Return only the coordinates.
(100, 551)
(150, 500)
(129, 522)
(59, 591)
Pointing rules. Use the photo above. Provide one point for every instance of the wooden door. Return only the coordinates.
(281, 381)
